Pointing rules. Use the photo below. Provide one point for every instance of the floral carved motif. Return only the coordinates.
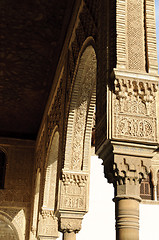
(134, 109)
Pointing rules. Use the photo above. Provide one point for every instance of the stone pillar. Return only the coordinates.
(125, 167)
(127, 218)
(69, 236)
(127, 103)
(128, 172)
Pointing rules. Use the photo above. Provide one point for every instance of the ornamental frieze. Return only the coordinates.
(134, 109)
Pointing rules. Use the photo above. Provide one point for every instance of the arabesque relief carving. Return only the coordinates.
(48, 223)
(74, 191)
(81, 112)
(135, 35)
(134, 109)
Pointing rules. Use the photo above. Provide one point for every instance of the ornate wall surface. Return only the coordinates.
(15, 198)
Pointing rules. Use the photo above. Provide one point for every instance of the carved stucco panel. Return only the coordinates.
(134, 109)
(74, 191)
(135, 35)
(48, 224)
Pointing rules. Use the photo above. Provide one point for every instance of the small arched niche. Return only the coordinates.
(82, 107)
(51, 174)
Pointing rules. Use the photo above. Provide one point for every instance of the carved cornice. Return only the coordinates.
(46, 212)
(146, 91)
(77, 178)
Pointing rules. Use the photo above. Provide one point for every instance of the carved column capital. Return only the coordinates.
(70, 224)
(155, 167)
(129, 170)
(125, 165)
(128, 173)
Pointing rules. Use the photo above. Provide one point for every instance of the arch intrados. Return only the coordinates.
(89, 42)
(86, 63)
(54, 136)
(50, 172)
(85, 73)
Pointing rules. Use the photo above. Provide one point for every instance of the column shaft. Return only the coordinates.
(69, 236)
(127, 219)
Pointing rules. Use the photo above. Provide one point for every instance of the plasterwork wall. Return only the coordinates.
(150, 34)
(18, 218)
(15, 198)
(135, 35)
